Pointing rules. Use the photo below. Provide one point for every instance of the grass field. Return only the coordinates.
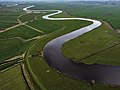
(4, 25)
(21, 31)
(8, 16)
(8, 64)
(109, 13)
(45, 77)
(28, 17)
(92, 43)
(12, 79)
(109, 56)
(11, 48)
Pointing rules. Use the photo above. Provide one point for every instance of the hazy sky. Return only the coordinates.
(56, 0)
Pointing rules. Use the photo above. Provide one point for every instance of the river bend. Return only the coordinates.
(52, 53)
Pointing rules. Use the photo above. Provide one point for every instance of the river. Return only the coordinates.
(105, 74)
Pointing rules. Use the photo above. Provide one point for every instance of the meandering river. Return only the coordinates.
(52, 53)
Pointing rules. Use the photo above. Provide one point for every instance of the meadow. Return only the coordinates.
(92, 43)
(13, 42)
(99, 46)
(8, 16)
(12, 79)
(108, 13)
(9, 50)
(20, 31)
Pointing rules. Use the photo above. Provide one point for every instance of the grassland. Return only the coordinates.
(109, 56)
(20, 31)
(92, 43)
(14, 41)
(47, 78)
(109, 13)
(8, 16)
(12, 47)
(4, 25)
(28, 17)
(12, 79)
(8, 64)
(96, 46)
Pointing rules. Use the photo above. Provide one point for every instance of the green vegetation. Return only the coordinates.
(12, 79)
(109, 56)
(109, 13)
(8, 64)
(8, 16)
(28, 17)
(92, 43)
(21, 31)
(45, 26)
(40, 78)
(4, 25)
(11, 49)
(45, 77)
(97, 46)
(42, 75)
(53, 26)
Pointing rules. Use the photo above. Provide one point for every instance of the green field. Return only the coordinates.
(4, 25)
(21, 31)
(94, 42)
(45, 77)
(109, 13)
(28, 17)
(8, 16)
(12, 79)
(11, 49)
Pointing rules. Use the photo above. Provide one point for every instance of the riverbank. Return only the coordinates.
(92, 44)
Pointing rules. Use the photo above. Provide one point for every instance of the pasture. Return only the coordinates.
(12, 79)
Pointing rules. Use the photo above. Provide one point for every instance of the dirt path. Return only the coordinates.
(33, 28)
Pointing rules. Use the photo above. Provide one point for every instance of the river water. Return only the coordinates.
(105, 74)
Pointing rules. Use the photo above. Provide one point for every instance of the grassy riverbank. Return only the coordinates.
(38, 69)
(109, 13)
(42, 75)
(101, 40)
(46, 78)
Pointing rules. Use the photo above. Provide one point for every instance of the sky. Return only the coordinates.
(59, 0)
(56, 0)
